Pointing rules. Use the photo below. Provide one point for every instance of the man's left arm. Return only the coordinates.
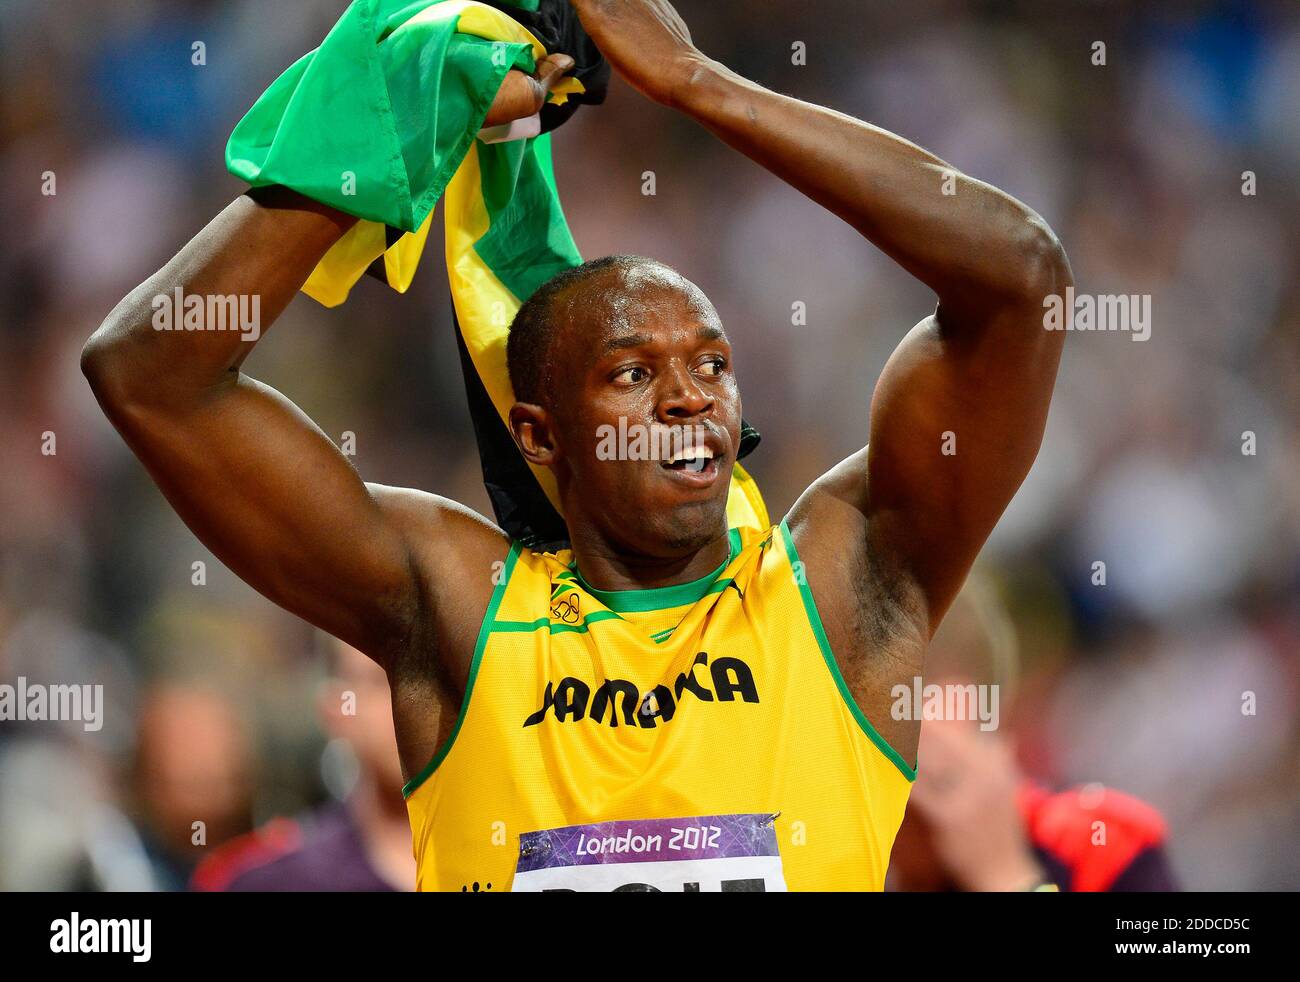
(959, 411)
(958, 414)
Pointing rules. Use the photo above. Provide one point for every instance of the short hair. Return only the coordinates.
(534, 329)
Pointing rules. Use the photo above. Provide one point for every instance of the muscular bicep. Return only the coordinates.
(277, 502)
(956, 422)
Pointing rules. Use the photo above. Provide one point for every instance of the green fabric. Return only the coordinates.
(823, 642)
(480, 646)
(398, 109)
(375, 123)
(528, 239)
(667, 597)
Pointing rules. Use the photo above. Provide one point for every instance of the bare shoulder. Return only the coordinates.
(451, 550)
(455, 554)
(432, 522)
(873, 612)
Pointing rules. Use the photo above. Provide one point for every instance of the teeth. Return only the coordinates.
(700, 453)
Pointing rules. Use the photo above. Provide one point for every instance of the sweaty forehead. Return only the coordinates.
(646, 298)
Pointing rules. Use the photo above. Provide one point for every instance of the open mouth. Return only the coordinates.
(698, 462)
(693, 459)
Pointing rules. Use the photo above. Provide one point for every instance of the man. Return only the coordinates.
(193, 763)
(975, 823)
(361, 844)
(671, 704)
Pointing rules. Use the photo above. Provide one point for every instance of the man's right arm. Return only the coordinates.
(247, 471)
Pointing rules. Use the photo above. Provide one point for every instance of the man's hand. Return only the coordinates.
(646, 41)
(960, 409)
(521, 95)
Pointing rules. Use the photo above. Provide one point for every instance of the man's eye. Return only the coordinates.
(630, 375)
(713, 366)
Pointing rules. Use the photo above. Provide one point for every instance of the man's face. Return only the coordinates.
(646, 419)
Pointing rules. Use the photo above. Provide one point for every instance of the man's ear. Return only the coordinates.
(530, 425)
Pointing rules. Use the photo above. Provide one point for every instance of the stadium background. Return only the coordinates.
(1138, 166)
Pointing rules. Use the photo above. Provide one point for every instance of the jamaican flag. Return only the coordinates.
(386, 117)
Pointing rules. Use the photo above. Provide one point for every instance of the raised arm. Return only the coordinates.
(959, 411)
(247, 471)
(251, 475)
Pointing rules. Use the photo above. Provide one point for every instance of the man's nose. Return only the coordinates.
(683, 397)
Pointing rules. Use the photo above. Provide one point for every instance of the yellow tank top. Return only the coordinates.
(695, 737)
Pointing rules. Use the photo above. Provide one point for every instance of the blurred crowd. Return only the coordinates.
(1169, 170)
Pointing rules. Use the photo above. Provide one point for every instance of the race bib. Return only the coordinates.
(726, 853)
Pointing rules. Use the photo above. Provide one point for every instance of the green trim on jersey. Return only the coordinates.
(484, 630)
(528, 627)
(815, 620)
(667, 597)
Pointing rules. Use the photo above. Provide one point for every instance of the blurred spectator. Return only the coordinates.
(362, 843)
(192, 778)
(974, 821)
